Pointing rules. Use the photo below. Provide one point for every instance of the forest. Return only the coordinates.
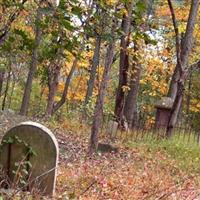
(117, 82)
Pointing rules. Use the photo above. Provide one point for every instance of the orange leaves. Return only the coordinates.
(164, 11)
(165, 53)
(181, 12)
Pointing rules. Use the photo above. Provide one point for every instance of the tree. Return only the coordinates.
(130, 108)
(96, 56)
(33, 65)
(12, 17)
(95, 63)
(60, 103)
(53, 80)
(85, 19)
(124, 62)
(98, 112)
(183, 50)
(97, 119)
(2, 74)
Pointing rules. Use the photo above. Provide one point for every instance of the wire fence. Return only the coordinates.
(183, 132)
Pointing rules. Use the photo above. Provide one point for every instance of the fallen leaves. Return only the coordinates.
(131, 174)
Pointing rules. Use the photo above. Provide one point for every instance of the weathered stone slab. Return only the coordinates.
(163, 106)
(112, 128)
(31, 143)
(165, 103)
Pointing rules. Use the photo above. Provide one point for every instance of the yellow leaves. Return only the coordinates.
(180, 12)
(100, 71)
(89, 54)
(61, 86)
(45, 90)
(143, 81)
(182, 27)
(86, 60)
(125, 88)
(154, 79)
(77, 89)
(83, 64)
(57, 98)
(153, 93)
(195, 105)
(163, 88)
(123, 11)
(111, 2)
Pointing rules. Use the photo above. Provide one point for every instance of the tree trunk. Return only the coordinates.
(33, 66)
(2, 73)
(53, 78)
(131, 99)
(66, 87)
(182, 64)
(95, 63)
(124, 63)
(12, 91)
(53, 75)
(175, 110)
(42, 90)
(7, 88)
(188, 100)
(97, 119)
(173, 84)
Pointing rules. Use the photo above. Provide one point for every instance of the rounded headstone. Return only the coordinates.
(43, 158)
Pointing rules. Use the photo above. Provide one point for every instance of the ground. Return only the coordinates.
(136, 171)
(132, 173)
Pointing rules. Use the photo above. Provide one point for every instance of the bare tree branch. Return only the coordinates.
(187, 42)
(177, 35)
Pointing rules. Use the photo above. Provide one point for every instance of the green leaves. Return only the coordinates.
(140, 7)
(76, 10)
(2, 67)
(67, 24)
(148, 39)
(26, 42)
(8, 141)
(145, 36)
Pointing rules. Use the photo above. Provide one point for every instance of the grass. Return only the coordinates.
(184, 151)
